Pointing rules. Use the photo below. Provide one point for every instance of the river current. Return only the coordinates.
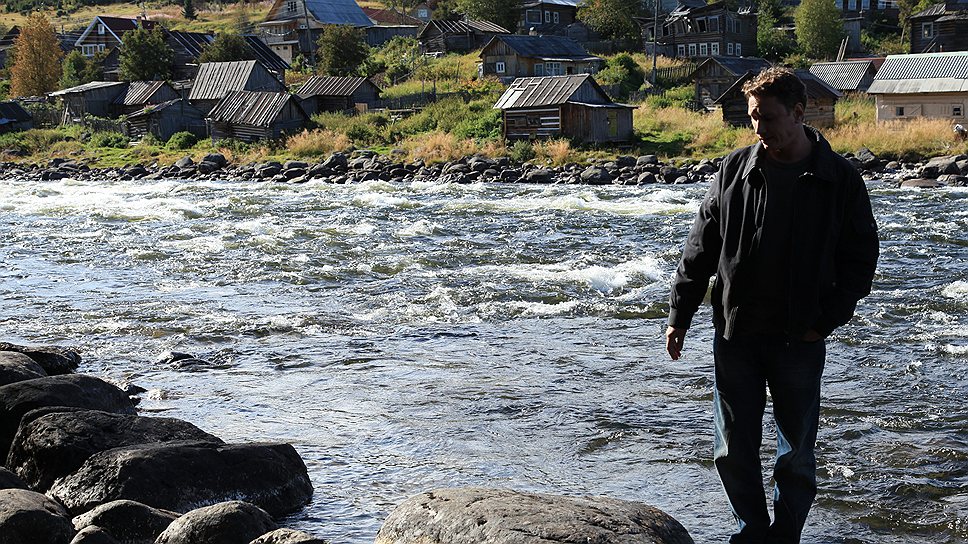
(405, 337)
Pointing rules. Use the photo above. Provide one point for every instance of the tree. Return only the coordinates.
(226, 47)
(76, 69)
(342, 49)
(36, 58)
(622, 71)
(771, 42)
(613, 19)
(907, 8)
(818, 28)
(145, 56)
(188, 10)
(500, 12)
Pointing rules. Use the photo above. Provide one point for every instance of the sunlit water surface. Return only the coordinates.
(411, 336)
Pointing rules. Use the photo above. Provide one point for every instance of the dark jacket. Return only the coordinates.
(834, 243)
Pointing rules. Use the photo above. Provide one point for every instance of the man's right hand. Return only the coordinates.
(674, 340)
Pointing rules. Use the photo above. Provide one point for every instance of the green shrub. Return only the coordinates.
(623, 72)
(181, 140)
(521, 151)
(109, 139)
(482, 126)
(678, 97)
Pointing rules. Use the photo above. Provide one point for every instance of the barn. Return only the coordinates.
(821, 99)
(252, 115)
(331, 93)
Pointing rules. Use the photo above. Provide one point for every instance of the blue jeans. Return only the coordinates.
(745, 366)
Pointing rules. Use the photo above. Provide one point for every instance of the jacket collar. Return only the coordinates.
(823, 169)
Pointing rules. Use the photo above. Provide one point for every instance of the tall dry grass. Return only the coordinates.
(317, 143)
(557, 152)
(678, 131)
(438, 147)
(921, 136)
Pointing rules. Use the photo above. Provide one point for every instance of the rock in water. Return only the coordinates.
(29, 517)
(17, 367)
(128, 521)
(474, 515)
(287, 536)
(53, 360)
(232, 522)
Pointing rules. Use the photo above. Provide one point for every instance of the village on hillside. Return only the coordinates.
(573, 69)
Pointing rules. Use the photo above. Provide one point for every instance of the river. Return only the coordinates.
(410, 336)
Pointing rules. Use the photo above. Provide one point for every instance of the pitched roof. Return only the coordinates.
(921, 73)
(195, 42)
(389, 17)
(546, 47)
(737, 65)
(87, 87)
(216, 79)
(844, 75)
(529, 92)
(13, 112)
(569, 3)
(931, 11)
(155, 108)
(338, 12)
(330, 86)
(463, 27)
(258, 109)
(138, 92)
(816, 87)
(116, 26)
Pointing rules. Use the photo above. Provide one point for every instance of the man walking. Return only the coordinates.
(787, 229)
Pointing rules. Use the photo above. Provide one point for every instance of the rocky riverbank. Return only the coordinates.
(83, 467)
(364, 165)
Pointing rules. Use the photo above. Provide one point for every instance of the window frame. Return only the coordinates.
(500, 67)
(681, 50)
(927, 30)
(529, 16)
(692, 50)
(703, 49)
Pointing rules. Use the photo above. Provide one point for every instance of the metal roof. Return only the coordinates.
(529, 92)
(257, 109)
(546, 47)
(390, 17)
(13, 112)
(816, 87)
(845, 75)
(338, 12)
(87, 87)
(153, 108)
(568, 3)
(931, 11)
(922, 73)
(216, 79)
(330, 86)
(195, 42)
(138, 92)
(738, 65)
(464, 27)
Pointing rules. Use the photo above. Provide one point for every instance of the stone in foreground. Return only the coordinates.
(27, 516)
(128, 521)
(17, 367)
(287, 536)
(230, 522)
(478, 515)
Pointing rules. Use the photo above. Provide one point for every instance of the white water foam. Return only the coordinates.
(418, 228)
(604, 279)
(957, 290)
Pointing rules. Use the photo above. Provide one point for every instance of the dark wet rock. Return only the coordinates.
(952, 180)
(136, 171)
(217, 159)
(17, 367)
(596, 175)
(939, 165)
(287, 536)
(184, 162)
(182, 476)
(232, 522)
(538, 175)
(177, 359)
(473, 515)
(336, 161)
(645, 160)
(704, 168)
(289, 165)
(207, 167)
(922, 183)
(646, 177)
(669, 174)
(269, 170)
(320, 171)
(71, 390)
(681, 180)
(27, 517)
(128, 521)
(95, 535)
(55, 445)
(293, 173)
(9, 480)
(626, 161)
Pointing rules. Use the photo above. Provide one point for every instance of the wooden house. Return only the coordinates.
(14, 118)
(106, 33)
(695, 29)
(821, 99)
(138, 95)
(325, 93)
(716, 74)
(292, 26)
(547, 16)
(931, 85)
(440, 36)
(188, 46)
(251, 116)
(523, 56)
(848, 76)
(940, 27)
(424, 11)
(215, 80)
(90, 99)
(163, 120)
(572, 107)
(389, 23)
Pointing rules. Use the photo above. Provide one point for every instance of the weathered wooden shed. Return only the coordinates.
(716, 74)
(821, 99)
(215, 80)
(847, 76)
(95, 99)
(14, 118)
(572, 106)
(163, 120)
(441, 36)
(140, 94)
(330, 93)
(931, 85)
(520, 56)
(251, 116)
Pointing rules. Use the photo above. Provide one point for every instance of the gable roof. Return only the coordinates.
(331, 86)
(194, 43)
(329, 12)
(217, 79)
(529, 92)
(737, 66)
(81, 89)
(921, 73)
(156, 108)
(251, 108)
(566, 3)
(389, 17)
(116, 26)
(816, 87)
(140, 92)
(844, 75)
(13, 112)
(931, 11)
(462, 27)
(545, 47)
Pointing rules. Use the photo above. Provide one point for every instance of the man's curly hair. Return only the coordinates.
(781, 83)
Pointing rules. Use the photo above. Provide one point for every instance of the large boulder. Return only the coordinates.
(596, 175)
(57, 444)
(9, 480)
(181, 476)
(473, 515)
(17, 367)
(939, 165)
(73, 390)
(233, 522)
(29, 517)
(287, 536)
(94, 535)
(52, 359)
(128, 521)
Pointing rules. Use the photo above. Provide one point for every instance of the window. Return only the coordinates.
(852, 5)
(100, 28)
(539, 69)
(899, 111)
(553, 69)
(291, 6)
(547, 16)
(422, 13)
(692, 50)
(557, 17)
(499, 67)
(704, 49)
(729, 49)
(701, 24)
(650, 33)
(714, 48)
(956, 110)
(88, 50)
(739, 50)
(714, 24)
(666, 30)
(927, 30)
(532, 16)
(680, 50)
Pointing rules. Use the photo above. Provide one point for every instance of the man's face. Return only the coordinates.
(775, 125)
